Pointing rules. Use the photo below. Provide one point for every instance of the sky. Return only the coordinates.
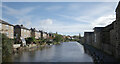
(60, 0)
(66, 18)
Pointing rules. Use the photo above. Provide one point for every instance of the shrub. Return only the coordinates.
(7, 46)
(58, 38)
(29, 40)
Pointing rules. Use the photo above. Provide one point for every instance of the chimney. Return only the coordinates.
(21, 25)
(34, 28)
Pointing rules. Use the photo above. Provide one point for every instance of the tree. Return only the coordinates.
(7, 46)
(79, 36)
(58, 38)
(30, 40)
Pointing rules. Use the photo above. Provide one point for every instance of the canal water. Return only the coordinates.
(65, 52)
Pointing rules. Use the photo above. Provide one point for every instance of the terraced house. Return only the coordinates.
(21, 31)
(51, 35)
(7, 29)
(35, 33)
(45, 35)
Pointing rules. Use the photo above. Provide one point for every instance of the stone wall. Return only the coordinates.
(89, 39)
(107, 38)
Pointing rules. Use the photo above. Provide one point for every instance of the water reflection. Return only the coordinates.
(66, 52)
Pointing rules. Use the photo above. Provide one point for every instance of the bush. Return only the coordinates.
(29, 40)
(74, 39)
(44, 40)
(58, 38)
(7, 46)
(17, 41)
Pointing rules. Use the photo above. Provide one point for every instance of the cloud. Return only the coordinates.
(43, 24)
(24, 22)
(101, 9)
(46, 22)
(18, 12)
(98, 15)
(77, 18)
(22, 15)
(53, 25)
(104, 21)
(101, 21)
(54, 8)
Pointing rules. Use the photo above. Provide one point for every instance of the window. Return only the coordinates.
(7, 34)
(0, 26)
(21, 30)
(24, 35)
(24, 30)
(28, 31)
(95, 37)
(11, 27)
(11, 34)
(7, 27)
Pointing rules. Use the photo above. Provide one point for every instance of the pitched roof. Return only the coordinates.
(89, 32)
(21, 26)
(118, 7)
(98, 28)
(33, 29)
(3, 22)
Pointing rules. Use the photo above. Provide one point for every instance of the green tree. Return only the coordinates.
(7, 46)
(30, 40)
(58, 38)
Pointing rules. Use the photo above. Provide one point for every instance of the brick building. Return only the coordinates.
(7, 29)
(35, 33)
(45, 35)
(21, 31)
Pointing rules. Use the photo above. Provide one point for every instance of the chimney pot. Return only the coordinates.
(21, 25)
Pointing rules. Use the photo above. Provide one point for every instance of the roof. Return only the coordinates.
(33, 29)
(45, 32)
(109, 27)
(118, 7)
(3, 22)
(21, 26)
(98, 28)
(89, 32)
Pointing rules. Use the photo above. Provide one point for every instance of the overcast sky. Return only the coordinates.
(68, 18)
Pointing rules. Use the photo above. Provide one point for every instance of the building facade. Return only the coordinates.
(35, 33)
(21, 32)
(45, 35)
(82, 40)
(107, 38)
(97, 37)
(89, 37)
(7, 29)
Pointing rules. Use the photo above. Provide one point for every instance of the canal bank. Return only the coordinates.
(99, 56)
(24, 48)
(65, 52)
